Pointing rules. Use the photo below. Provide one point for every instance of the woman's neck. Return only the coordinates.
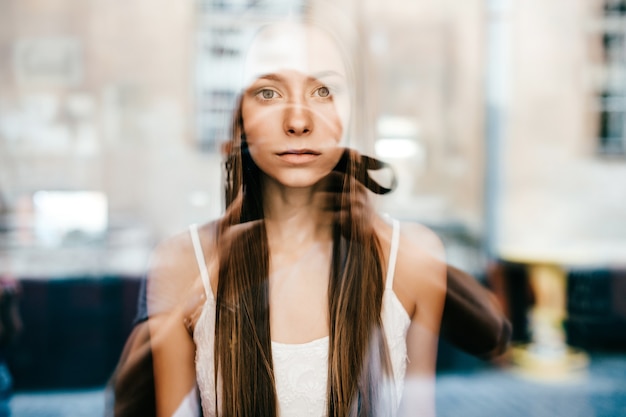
(295, 214)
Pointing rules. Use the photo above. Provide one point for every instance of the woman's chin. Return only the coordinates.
(297, 180)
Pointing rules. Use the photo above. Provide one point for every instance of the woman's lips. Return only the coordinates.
(298, 156)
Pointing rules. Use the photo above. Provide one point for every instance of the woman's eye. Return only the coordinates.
(267, 94)
(323, 92)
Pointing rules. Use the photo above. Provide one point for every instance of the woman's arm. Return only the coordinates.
(420, 284)
(173, 362)
(173, 294)
(472, 319)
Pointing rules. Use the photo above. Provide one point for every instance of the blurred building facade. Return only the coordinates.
(97, 96)
(105, 95)
(562, 157)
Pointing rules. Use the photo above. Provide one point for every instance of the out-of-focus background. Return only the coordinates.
(505, 121)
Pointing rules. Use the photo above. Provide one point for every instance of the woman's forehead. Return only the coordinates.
(292, 47)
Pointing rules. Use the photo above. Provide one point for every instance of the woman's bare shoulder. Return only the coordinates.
(415, 239)
(420, 268)
(417, 236)
(173, 269)
(421, 256)
(177, 252)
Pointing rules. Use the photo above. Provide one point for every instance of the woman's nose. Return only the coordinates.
(298, 120)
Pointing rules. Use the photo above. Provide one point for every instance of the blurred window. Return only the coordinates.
(612, 96)
(69, 216)
(224, 29)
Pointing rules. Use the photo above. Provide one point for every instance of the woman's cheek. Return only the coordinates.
(342, 113)
(257, 123)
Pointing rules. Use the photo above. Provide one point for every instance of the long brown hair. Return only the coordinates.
(358, 359)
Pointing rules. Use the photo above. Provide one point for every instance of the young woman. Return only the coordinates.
(301, 300)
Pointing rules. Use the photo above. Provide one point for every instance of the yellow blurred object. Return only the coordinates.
(533, 362)
(547, 357)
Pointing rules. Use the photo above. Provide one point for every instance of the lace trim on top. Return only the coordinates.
(300, 370)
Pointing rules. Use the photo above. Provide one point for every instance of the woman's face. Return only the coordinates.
(296, 106)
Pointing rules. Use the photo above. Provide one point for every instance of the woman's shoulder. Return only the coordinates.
(421, 256)
(420, 265)
(174, 265)
(177, 250)
(413, 239)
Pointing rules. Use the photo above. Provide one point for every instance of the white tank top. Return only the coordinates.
(300, 370)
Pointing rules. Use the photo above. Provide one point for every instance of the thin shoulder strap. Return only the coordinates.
(197, 248)
(393, 253)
